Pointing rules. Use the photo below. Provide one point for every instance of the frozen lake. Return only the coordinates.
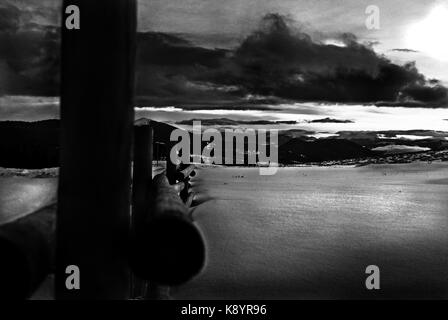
(310, 232)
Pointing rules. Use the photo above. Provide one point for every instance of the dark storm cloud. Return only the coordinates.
(170, 69)
(170, 50)
(277, 60)
(29, 55)
(9, 18)
(426, 94)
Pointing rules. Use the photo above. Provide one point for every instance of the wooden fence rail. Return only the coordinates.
(167, 247)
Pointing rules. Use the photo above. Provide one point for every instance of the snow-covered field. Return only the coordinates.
(306, 232)
(311, 232)
(20, 196)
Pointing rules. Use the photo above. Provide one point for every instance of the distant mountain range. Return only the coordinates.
(35, 145)
(29, 144)
(299, 150)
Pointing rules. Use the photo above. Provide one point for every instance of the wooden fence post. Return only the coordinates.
(141, 190)
(142, 174)
(171, 168)
(96, 135)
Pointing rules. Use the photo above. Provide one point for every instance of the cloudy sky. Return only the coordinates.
(224, 22)
(219, 51)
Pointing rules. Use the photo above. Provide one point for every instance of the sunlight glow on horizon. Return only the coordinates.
(429, 34)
